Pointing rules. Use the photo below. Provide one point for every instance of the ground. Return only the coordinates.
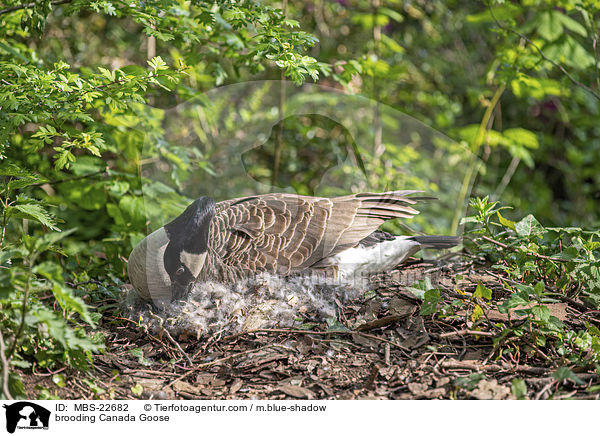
(380, 348)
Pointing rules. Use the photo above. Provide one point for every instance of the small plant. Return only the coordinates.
(31, 279)
(539, 267)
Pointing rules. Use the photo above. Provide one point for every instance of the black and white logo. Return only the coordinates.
(26, 415)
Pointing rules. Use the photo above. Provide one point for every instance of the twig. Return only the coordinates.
(510, 172)
(372, 376)
(5, 369)
(465, 333)
(543, 55)
(69, 179)
(381, 322)
(173, 341)
(314, 332)
(30, 5)
(531, 253)
(453, 364)
(214, 362)
(544, 389)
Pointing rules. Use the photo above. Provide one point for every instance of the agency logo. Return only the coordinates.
(26, 415)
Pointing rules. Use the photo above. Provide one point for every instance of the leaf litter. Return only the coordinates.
(377, 347)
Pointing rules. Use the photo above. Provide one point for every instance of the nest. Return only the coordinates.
(263, 301)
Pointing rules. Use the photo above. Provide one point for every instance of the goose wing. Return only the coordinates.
(286, 233)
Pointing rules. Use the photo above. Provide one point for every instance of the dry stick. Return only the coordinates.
(173, 341)
(536, 349)
(564, 298)
(5, 369)
(510, 172)
(544, 389)
(531, 253)
(313, 332)
(381, 322)
(464, 333)
(494, 368)
(372, 376)
(214, 362)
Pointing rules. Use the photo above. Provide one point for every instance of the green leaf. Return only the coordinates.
(139, 353)
(333, 325)
(137, 390)
(549, 25)
(430, 302)
(563, 373)
(157, 64)
(529, 226)
(419, 287)
(482, 292)
(539, 288)
(59, 380)
(71, 303)
(505, 222)
(518, 388)
(35, 212)
(542, 312)
(523, 137)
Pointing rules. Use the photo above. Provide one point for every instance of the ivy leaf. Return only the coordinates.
(529, 226)
(429, 306)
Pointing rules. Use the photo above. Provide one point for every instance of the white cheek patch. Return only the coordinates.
(193, 262)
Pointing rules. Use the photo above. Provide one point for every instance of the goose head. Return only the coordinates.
(166, 263)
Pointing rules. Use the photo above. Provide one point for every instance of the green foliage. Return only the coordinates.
(541, 265)
(73, 122)
(514, 82)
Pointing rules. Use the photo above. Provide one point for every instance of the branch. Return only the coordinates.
(528, 252)
(13, 346)
(5, 369)
(546, 58)
(30, 5)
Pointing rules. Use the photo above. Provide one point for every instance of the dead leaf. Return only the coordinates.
(235, 386)
(417, 388)
(401, 307)
(362, 340)
(491, 390)
(297, 391)
(381, 322)
(182, 386)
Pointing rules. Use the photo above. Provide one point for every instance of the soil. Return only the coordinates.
(380, 348)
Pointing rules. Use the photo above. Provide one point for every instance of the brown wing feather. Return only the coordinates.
(287, 233)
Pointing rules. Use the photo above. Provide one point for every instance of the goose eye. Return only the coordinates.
(179, 271)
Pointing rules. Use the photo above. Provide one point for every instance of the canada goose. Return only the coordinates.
(284, 234)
